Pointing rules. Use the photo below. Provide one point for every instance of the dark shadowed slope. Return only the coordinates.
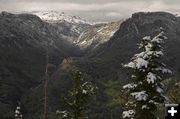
(23, 45)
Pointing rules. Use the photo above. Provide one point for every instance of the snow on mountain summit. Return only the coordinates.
(56, 16)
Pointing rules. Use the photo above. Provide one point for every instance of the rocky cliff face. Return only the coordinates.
(92, 38)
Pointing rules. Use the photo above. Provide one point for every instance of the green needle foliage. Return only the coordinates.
(77, 98)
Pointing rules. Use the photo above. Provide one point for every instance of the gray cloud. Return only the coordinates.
(74, 1)
(93, 10)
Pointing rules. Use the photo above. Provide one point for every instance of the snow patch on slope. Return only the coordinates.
(56, 16)
(97, 35)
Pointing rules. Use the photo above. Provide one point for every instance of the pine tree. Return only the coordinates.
(146, 89)
(78, 98)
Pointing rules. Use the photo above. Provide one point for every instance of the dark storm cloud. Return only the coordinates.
(95, 10)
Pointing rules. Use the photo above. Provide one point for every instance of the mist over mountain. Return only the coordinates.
(97, 50)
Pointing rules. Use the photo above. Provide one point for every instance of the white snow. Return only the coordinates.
(56, 16)
(100, 29)
(163, 70)
(147, 38)
(84, 91)
(148, 47)
(128, 114)
(83, 42)
(143, 55)
(140, 96)
(64, 113)
(159, 38)
(159, 53)
(151, 78)
(153, 102)
(159, 90)
(79, 38)
(130, 86)
(16, 115)
(18, 108)
(145, 107)
(130, 65)
(17, 112)
(154, 53)
(140, 62)
(97, 36)
(133, 76)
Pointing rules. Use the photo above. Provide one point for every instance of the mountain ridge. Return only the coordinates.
(57, 16)
(25, 41)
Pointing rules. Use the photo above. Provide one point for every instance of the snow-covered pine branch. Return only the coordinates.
(18, 114)
(146, 89)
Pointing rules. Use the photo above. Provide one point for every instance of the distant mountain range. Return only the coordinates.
(97, 50)
(57, 17)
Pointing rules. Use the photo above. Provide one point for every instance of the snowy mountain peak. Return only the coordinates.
(56, 16)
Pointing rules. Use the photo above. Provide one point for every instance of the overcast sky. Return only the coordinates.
(92, 10)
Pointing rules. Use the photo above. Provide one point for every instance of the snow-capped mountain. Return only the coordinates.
(56, 16)
(69, 26)
(79, 31)
(97, 35)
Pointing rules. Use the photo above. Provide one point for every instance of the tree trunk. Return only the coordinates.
(46, 85)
